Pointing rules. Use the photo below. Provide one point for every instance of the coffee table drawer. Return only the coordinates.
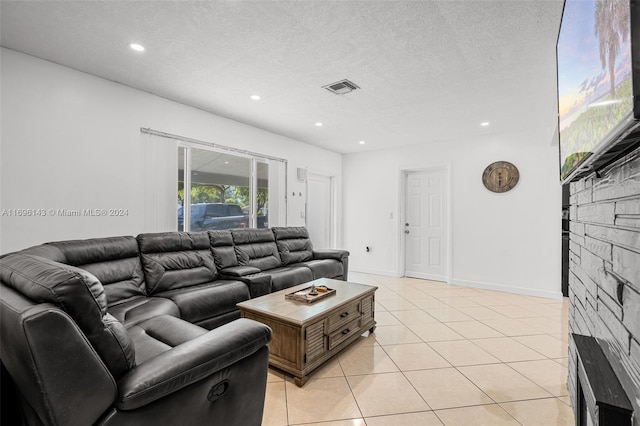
(348, 314)
(343, 333)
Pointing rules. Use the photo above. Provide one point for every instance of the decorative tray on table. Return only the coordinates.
(309, 296)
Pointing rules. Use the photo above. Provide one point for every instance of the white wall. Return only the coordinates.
(70, 140)
(509, 241)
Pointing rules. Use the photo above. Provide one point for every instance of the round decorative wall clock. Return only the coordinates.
(500, 176)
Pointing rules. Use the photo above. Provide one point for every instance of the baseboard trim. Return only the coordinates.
(385, 272)
(441, 278)
(508, 289)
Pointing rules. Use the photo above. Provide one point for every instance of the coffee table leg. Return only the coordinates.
(299, 381)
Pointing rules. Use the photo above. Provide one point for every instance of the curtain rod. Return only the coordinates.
(150, 131)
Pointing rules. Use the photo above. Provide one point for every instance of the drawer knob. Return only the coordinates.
(345, 331)
(344, 315)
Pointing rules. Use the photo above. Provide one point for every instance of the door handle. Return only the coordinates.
(406, 231)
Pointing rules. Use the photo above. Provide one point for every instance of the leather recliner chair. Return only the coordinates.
(74, 364)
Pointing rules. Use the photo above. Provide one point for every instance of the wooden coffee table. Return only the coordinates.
(307, 335)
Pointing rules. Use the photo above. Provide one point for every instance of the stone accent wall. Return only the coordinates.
(604, 270)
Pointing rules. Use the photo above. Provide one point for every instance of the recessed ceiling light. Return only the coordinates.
(484, 123)
(361, 142)
(318, 124)
(255, 97)
(137, 47)
(226, 162)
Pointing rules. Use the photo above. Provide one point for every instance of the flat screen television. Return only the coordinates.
(598, 57)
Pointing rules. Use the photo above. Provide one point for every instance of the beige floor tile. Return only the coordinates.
(358, 277)
(494, 299)
(331, 368)
(379, 307)
(546, 325)
(429, 303)
(467, 291)
(473, 329)
(383, 295)
(337, 402)
(413, 317)
(502, 383)
(435, 332)
(389, 393)
(506, 349)
(366, 339)
(561, 336)
(351, 422)
(275, 405)
(387, 318)
(448, 315)
(480, 415)
(415, 356)
(274, 375)
(546, 345)
(395, 335)
(514, 311)
(366, 360)
(481, 313)
(565, 400)
(424, 418)
(510, 327)
(463, 352)
(562, 361)
(399, 304)
(447, 291)
(458, 301)
(543, 309)
(411, 293)
(540, 412)
(546, 373)
(446, 388)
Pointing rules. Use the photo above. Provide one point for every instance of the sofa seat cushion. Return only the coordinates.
(201, 302)
(288, 276)
(136, 309)
(155, 335)
(324, 268)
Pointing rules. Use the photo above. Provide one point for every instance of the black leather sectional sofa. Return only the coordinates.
(143, 330)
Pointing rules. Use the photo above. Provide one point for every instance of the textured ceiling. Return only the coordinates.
(428, 70)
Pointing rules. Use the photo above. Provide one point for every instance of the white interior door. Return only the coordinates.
(319, 208)
(426, 225)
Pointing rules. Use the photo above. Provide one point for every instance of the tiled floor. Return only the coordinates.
(440, 355)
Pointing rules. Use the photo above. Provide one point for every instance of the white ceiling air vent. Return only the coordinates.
(341, 87)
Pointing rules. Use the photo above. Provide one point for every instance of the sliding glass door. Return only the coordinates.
(221, 190)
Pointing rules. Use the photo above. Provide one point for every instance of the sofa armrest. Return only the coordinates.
(239, 271)
(259, 283)
(330, 254)
(190, 362)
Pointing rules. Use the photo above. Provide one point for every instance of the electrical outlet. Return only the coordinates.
(368, 249)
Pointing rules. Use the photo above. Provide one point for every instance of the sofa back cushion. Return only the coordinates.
(173, 260)
(222, 248)
(257, 248)
(114, 261)
(81, 295)
(293, 244)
